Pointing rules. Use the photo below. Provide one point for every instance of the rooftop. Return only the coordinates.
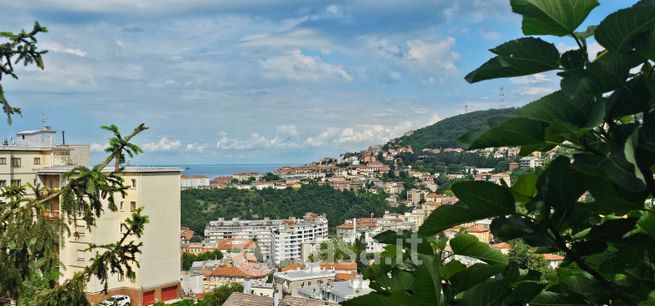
(129, 169)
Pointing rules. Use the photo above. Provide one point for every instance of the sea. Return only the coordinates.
(214, 170)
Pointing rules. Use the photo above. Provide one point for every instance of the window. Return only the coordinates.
(132, 206)
(15, 162)
(3, 160)
(133, 183)
(80, 255)
(3, 183)
(81, 230)
(121, 227)
(15, 182)
(121, 205)
(37, 160)
(121, 277)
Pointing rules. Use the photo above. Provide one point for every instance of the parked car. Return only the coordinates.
(117, 300)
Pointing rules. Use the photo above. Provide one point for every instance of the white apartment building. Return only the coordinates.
(530, 162)
(278, 239)
(33, 157)
(196, 181)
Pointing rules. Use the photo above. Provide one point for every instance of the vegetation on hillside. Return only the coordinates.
(449, 162)
(593, 206)
(444, 134)
(199, 206)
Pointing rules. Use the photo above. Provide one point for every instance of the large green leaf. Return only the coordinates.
(621, 30)
(427, 284)
(469, 245)
(552, 17)
(557, 106)
(523, 56)
(512, 132)
(646, 223)
(490, 292)
(474, 275)
(477, 200)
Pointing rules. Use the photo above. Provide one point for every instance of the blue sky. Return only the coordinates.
(257, 81)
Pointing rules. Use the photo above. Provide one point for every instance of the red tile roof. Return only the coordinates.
(351, 266)
(293, 266)
(553, 257)
(477, 229)
(234, 272)
(501, 245)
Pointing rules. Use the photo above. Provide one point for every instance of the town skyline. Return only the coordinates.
(284, 82)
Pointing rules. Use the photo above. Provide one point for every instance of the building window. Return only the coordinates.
(37, 160)
(3, 183)
(15, 162)
(133, 183)
(15, 182)
(121, 227)
(132, 206)
(121, 205)
(3, 160)
(121, 277)
(81, 230)
(80, 255)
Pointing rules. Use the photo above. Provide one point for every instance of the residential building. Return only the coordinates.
(337, 292)
(34, 157)
(157, 190)
(186, 234)
(246, 176)
(196, 181)
(291, 281)
(226, 274)
(243, 299)
(530, 162)
(553, 260)
(279, 239)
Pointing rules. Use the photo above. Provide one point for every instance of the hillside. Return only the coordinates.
(199, 206)
(445, 132)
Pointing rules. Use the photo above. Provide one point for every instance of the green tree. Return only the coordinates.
(29, 240)
(594, 207)
(521, 254)
(188, 258)
(219, 295)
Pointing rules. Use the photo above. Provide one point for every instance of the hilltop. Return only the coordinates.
(445, 132)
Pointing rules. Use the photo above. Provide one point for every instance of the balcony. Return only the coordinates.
(51, 214)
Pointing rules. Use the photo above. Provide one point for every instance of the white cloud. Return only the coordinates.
(196, 147)
(439, 54)
(256, 141)
(365, 134)
(96, 147)
(164, 144)
(297, 66)
(491, 35)
(287, 130)
(58, 48)
(537, 78)
(534, 91)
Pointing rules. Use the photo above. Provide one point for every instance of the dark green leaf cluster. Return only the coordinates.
(593, 206)
(188, 258)
(21, 48)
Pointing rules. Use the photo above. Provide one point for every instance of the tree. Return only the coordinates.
(521, 254)
(219, 295)
(595, 207)
(188, 258)
(29, 240)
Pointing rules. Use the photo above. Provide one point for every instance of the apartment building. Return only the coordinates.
(278, 239)
(35, 157)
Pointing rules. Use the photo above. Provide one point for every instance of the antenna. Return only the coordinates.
(501, 98)
(43, 120)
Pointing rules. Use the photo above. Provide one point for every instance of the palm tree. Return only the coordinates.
(119, 146)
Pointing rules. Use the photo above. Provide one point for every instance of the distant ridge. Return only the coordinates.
(446, 132)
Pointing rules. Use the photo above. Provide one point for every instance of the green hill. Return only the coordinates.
(445, 132)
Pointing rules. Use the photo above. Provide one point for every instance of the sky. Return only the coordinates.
(262, 81)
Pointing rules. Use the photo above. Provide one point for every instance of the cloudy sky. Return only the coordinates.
(261, 81)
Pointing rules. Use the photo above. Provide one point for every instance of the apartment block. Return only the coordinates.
(278, 239)
(35, 157)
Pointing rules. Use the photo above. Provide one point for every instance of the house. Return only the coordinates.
(291, 281)
(246, 176)
(337, 292)
(186, 234)
(554, 260)
(243, 299)
(480, 232)
(235, 245)
(503, 247)
(225, 274)
(530, 162)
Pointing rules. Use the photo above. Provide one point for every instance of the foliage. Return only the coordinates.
(337, 250)
(188, 258)
(199, 206)
(592, 205)
(449, 162)
(521, 254)
(30, 238)
(444, 133)
(219, 295)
